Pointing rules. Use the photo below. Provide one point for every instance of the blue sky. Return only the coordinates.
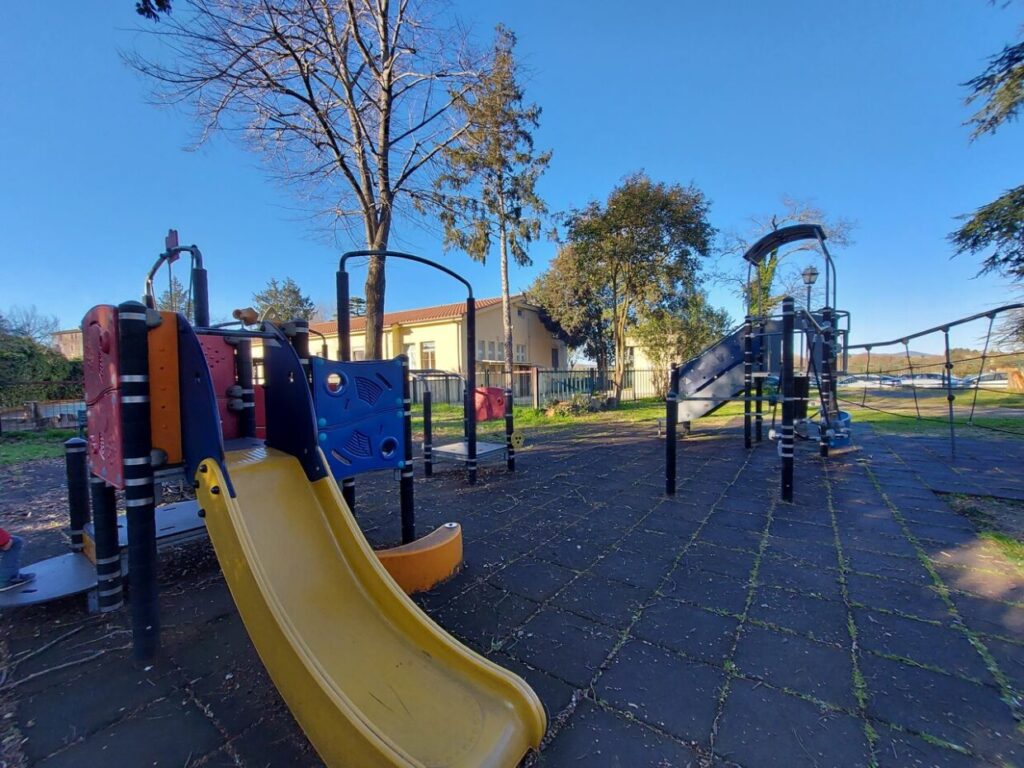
(857, 108)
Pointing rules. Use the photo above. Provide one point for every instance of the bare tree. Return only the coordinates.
(772, 273)
(349, 101)
(28, 322)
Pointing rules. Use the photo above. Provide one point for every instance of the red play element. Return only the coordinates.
(489, 403)
(260, 399)
(220, 357)
(171, 242)
(102, 393)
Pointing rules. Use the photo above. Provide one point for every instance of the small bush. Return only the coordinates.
(577, 405)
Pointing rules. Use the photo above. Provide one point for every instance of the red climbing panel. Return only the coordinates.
(102, 393)
(220, 356)
(489, 403)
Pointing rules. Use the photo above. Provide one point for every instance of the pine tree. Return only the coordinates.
(283, 300)
(175, 298)
(491, 176)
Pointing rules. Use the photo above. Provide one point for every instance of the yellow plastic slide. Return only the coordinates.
(369, 677)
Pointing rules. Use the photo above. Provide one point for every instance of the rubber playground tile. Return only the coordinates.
(1010, 659)
(135, 740)
(554, 694)
(82, 709)
(797, 664)
(604, 600)
(800, 576)
(692, 585)
(954, 710)
(741, 521)
(693, 631)
(596, 737)
(238, 696)
(532, 578)
(577, 553)
(484, 615)
(814, 554)
(727, 536)
(941, 646)
(893, 595)
(821, 619)
(940, 535)
(636, 568)
(565, 645)
(735, 563)
(654, 544)
(990, 616)
(800, 531)
(896, 749)
(889, 566)
(274, 741)
(648, 681)
(764, 727)
(213, 647)
(670, 523)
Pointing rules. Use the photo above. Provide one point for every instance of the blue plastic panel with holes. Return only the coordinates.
(359, 414)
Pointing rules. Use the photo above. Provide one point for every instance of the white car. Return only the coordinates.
(994, 380)
(867, 381)
(929, 381)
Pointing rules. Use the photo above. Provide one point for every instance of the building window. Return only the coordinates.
(520, 353)
(491, 355)
(481, 349)
(358, 354)
(427, 355)
(554, 358)
(519, 312)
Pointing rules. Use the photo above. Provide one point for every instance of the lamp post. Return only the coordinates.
(810, 276)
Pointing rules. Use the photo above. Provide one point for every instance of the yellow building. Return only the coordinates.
(435, 337)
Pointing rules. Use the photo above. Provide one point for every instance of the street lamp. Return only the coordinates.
(810, 276)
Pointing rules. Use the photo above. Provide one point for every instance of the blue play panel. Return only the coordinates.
(359, 414)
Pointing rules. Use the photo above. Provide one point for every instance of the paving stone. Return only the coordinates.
(898, 546)
(823, 620)
(1010, 658)
(889, 566)
(711, 590)
(668, 522)
(610, 602)
(893, 595)
(698, 633)
(800, 531)
(764, 727)
(532, 578)
(941, 646)
(954, 710)
(275, 741)
(656, 545)
(164, 734)
(750, 523)
(798, 664)
(577, 553)
(817, 555)
(727, 536)
(990, 616)
(596, 737)
(484, 615)
(659, 687)
(567, 646)
(554, 694)
(800, 576)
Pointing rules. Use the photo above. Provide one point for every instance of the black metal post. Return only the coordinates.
(405, 480)
(344, 322)
(243, 364)
(788, 403)
(428, 433)
(469, 402)
(133, 362)
(109, 588)
(949, 393)
(200, 294)
(759, 382)
(671, 419)
(825, 424)
(748, 369)
(298, 333)
(78, 490)
(510, 451)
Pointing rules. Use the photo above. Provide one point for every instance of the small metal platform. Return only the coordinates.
(61, 576)
(460, 452)
(73, 573)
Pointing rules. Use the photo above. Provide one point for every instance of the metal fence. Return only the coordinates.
(37, 405)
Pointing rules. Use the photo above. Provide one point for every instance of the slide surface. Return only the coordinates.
(716, 373)
(369, 677)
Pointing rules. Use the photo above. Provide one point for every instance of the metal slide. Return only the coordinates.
(369, 677)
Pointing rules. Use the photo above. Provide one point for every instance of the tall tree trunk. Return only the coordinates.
(506, 306)
(374, 290)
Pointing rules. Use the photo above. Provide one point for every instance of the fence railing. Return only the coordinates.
(36, 405)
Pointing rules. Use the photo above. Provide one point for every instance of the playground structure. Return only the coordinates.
(478, 404)
(739, 364)
(361, 667)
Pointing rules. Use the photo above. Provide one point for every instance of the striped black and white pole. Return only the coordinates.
(298, 332)
(510, 450)
(78, 490)
(826, 382)
(788, 401)
(671, 419)
(109, 587)
(759, 383)
(139, 496)
(748, 372)
(243, 365)
(406, 500)
(428, 433)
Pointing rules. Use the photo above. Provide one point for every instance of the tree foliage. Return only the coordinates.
(639, 251)
(348, 101)
(175, 298)
(488, 190)
(283, 300)
(778, 275)
(27, 365)
(28, 322)
(678, 332)
(151, 9)
(998, 225)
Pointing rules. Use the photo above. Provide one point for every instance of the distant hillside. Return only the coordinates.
(965, 362)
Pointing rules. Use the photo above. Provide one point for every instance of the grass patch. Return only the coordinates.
(16, 447)
(1011, 549)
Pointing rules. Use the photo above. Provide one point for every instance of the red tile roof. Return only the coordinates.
(405, 316)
